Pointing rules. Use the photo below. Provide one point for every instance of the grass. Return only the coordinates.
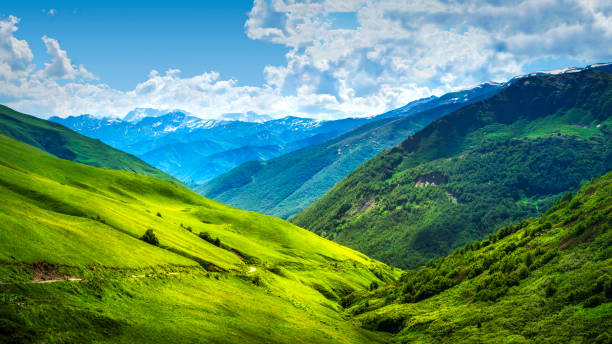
(86, 222)
(574, 122)
(64, 143)
(184, 308)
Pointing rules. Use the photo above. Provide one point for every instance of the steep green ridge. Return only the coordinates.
(285, 185)
(543, 280)
(250, 278)
(486, 165)
(66, 144)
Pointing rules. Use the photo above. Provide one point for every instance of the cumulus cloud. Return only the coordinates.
(61, 67)
(15, 54)
(438, 44)
(346, 57)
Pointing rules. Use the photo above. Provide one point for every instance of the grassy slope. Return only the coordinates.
(285, 185)
(64, 143)
(85, 222)
(492, 162)
(544, 280)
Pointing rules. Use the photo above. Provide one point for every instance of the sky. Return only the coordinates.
(324, 59)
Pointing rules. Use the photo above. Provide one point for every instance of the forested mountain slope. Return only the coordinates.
(543, 280)
(486, 165)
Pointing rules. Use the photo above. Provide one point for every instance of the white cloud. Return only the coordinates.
(50, 12)
(61, 67)
(15, 54)
(384, 54)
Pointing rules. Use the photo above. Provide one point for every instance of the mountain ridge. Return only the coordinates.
(285, 185)
(488, 163)
(64, 143)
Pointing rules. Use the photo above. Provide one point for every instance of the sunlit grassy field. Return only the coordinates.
(266, 278)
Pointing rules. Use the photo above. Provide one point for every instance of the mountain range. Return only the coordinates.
(194, 149)
(285, 185)
(485, 165)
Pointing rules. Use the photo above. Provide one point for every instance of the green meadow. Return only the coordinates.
(250, 278)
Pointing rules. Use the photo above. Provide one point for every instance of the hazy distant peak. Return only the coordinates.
(138, 114)
(245, 117)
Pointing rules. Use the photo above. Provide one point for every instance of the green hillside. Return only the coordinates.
(543, 280)
(285, 185)
(66, 144)
(486, 165)
(217, 274)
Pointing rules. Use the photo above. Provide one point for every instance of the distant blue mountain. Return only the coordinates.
(195, 149)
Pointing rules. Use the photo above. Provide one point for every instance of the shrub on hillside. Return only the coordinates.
(207, 237)
(594, 301)
(150, 237)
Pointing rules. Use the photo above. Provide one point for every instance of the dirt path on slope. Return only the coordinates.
(39, 280)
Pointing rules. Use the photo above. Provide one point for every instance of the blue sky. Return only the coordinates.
(321, 58)
(123, 41)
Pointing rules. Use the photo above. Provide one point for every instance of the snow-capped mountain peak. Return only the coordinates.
(138, 114)
(245, 117)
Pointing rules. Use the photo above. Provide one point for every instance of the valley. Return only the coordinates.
(285, 185)
(306, 172)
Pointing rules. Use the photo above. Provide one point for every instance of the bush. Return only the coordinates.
(373, 285)
(207, 237)
(257, 280)
(159, 214)
(594, 301)
(528, 259)
(149, 237)
(550, 289)
(579, 229)
(548, 256)
(574, 203)
(603, 338)
(523, 271)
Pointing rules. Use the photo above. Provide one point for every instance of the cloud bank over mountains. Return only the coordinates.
(346, 58)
